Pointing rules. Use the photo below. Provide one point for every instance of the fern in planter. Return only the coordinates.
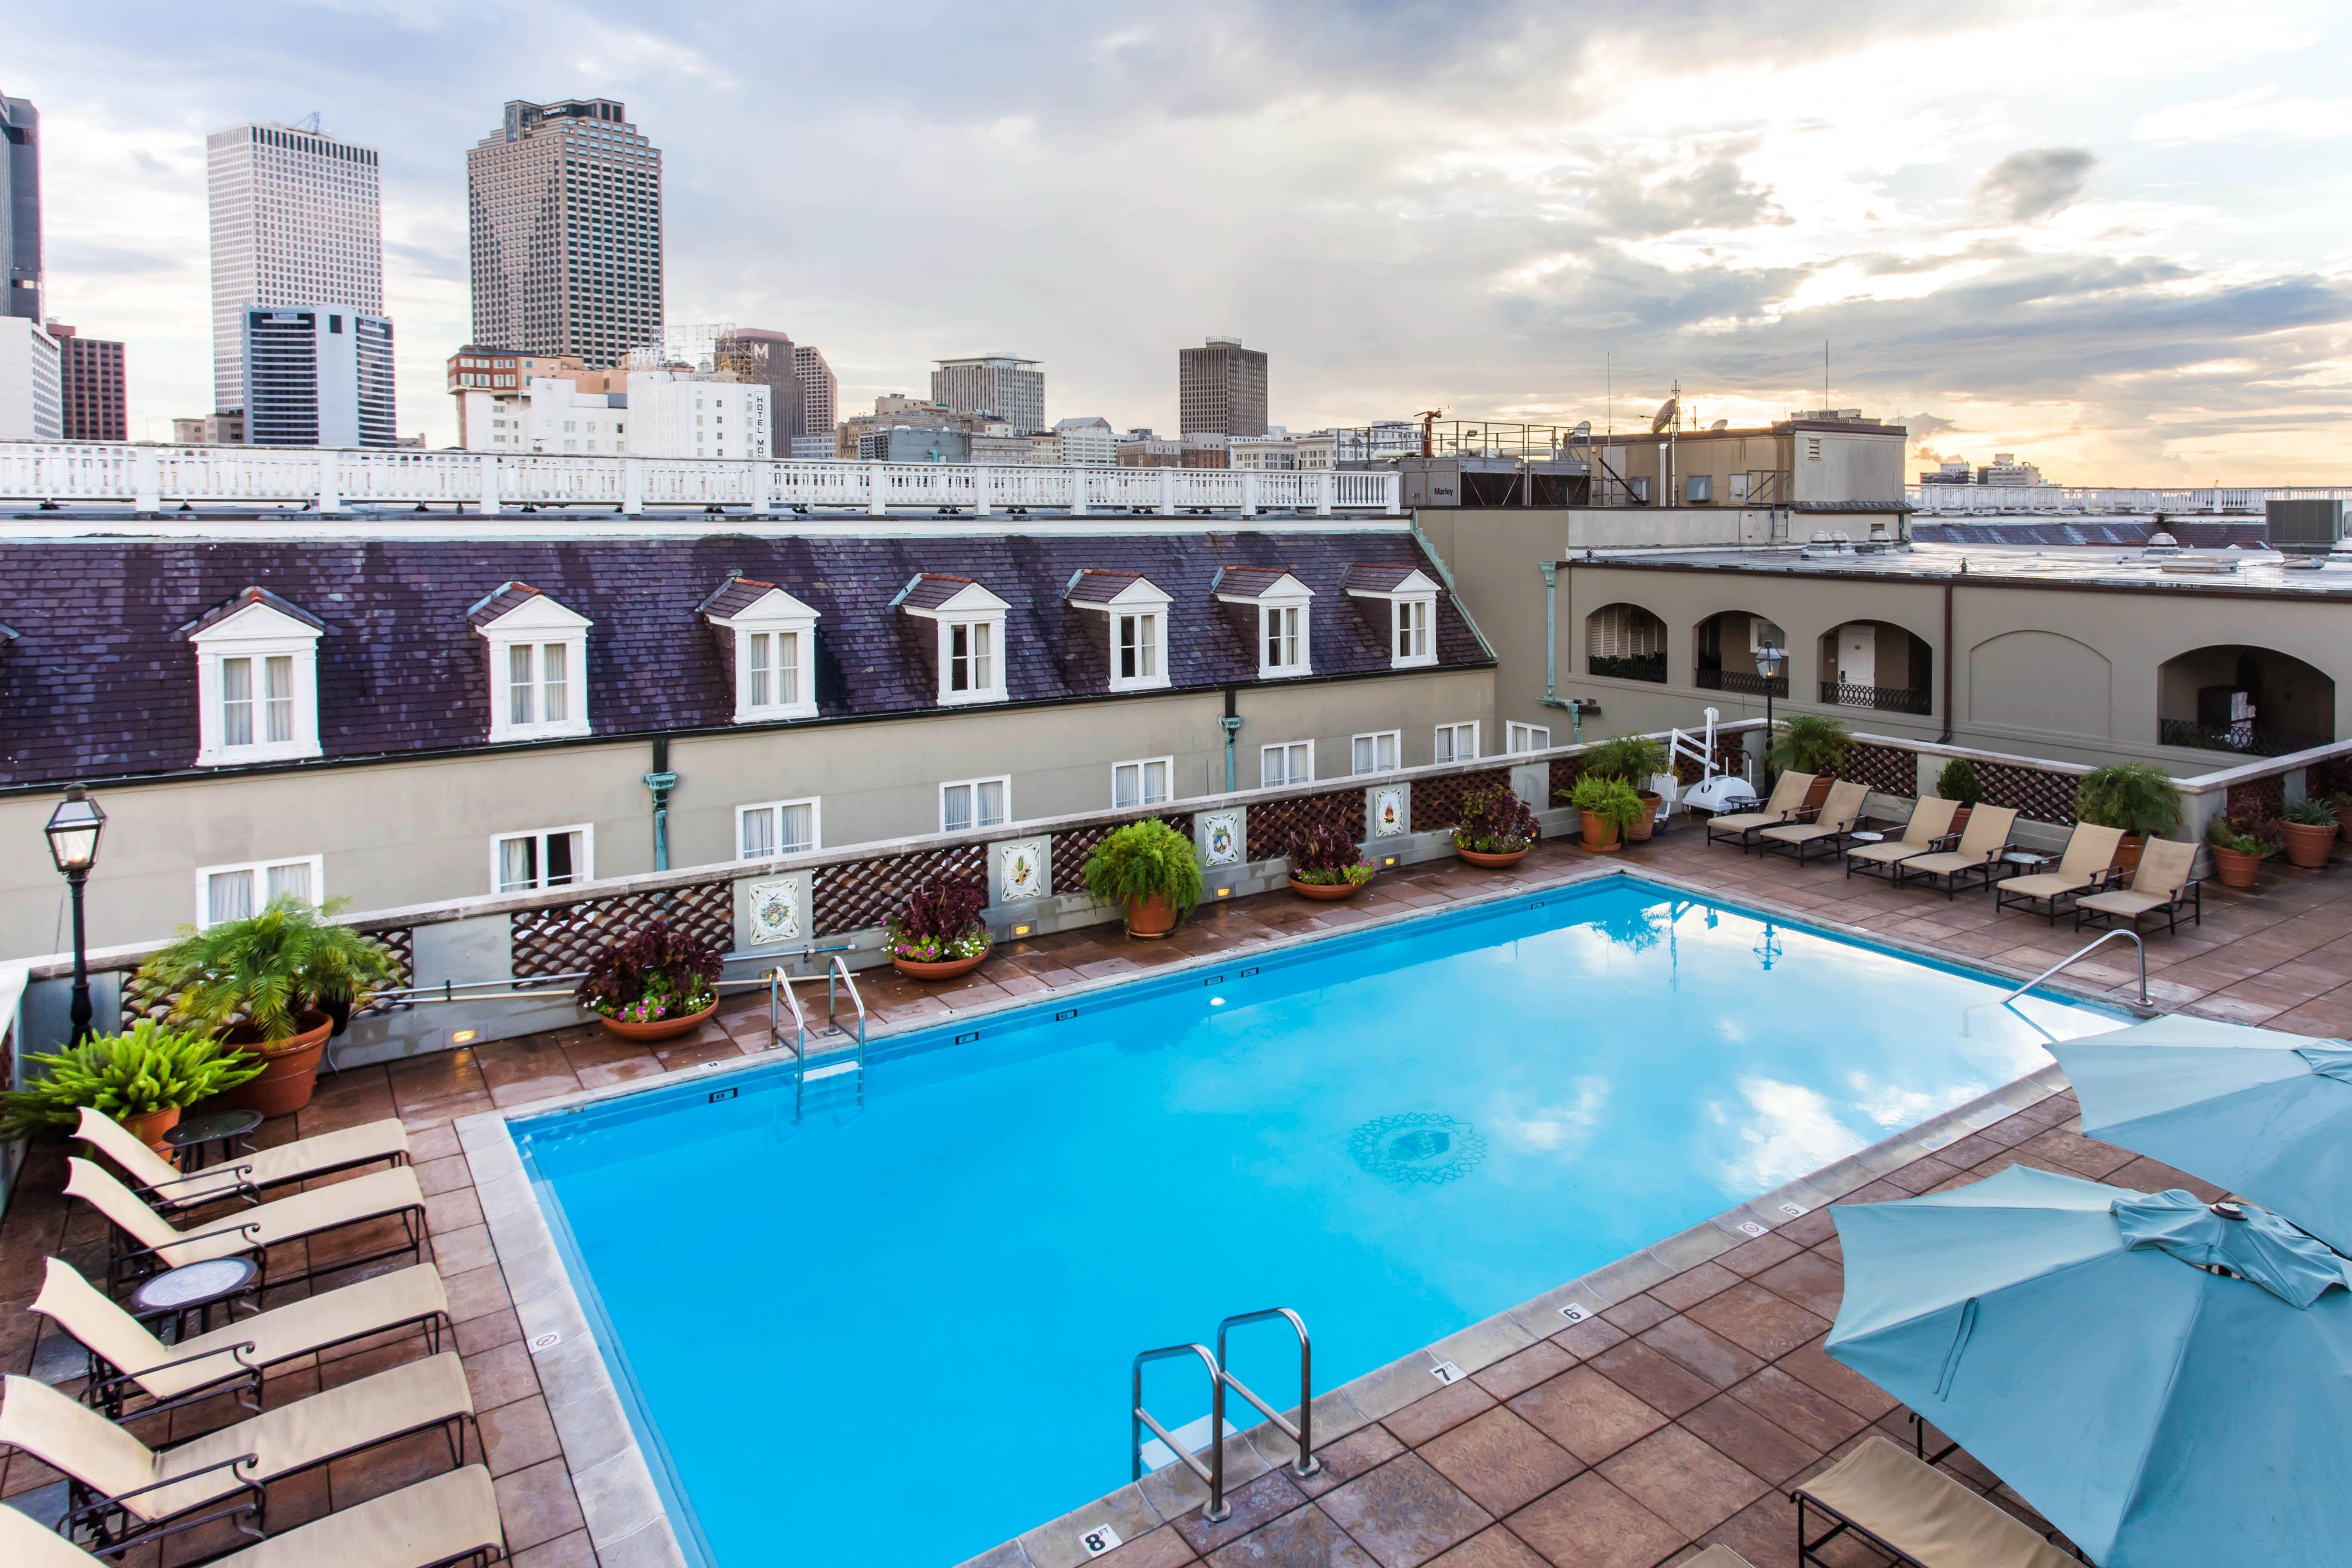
(1495, 822)
(1144, 860)
(152, 1068)
(941, 922)
(1633, 758)
(1324, 853)
(1809, 743)
(1612, 800)
(2134, 796)
(1958, 783)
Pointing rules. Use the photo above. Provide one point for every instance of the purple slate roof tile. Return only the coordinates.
(735, 595)
(232, 605)
(99, 684)
(1094, 585)
(499, 601)
(1251, 582)
(929, 590)
(1378, 579)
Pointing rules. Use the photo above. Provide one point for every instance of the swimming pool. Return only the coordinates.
(900, 1330)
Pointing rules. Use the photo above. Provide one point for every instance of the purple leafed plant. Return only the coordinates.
(1495, 822)
(1323, 852)
(940, 921)
(661, 972)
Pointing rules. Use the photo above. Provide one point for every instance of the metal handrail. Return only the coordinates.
(841, 967)
(780, 985)
(1306, 1464)
(2104, 937)
(1212, 1473)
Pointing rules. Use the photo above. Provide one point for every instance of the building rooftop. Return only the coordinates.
(2234, 570)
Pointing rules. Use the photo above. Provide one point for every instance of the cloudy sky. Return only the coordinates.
(2107, 237)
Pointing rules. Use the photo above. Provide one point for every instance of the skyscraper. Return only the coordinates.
(317, 376)
(1221, 389)
(20, 208)
(297, 220)
(819, 396)
(757, 354)
(91, 391)
(565, 202)
(1000, 384)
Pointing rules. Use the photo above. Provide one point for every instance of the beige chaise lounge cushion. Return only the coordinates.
(1927, 1514)
(281, 1333)
(1787, 796)
(84, 1445)
(2089, 852)
(1930, 820)
(1839, 813)
(240, 1231)
(1715, 1556)
(429, 1522)
(1987, 831)
(263, 1168)
(2164, 867)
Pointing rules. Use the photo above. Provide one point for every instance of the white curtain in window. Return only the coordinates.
(279, 677)
(955, 808)
(554, 682)
(521, 708)
(758, 833)
(984, 656)
(236, 702)
(292, 877)
(758, 670)
(991, 803)
(788, 667)
(228, 896)
(1126, 785)
(1457, 743)
(518, 863)
(796, 828)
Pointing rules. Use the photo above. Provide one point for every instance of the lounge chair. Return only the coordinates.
(168, 1188)
(123, 1492)
(1914, 1513)
(1827, 832)
(1930, 825)
(2090, 851)
(1980, 846)
(2162, 885)
(451, 1519)
(126, 1360)
(1787, 805)
(385, 1194)
(1715, 1556)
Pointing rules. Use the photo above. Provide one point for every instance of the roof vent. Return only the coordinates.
(2162, 543)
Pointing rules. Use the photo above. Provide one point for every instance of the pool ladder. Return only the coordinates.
(842, 1078)
(1212, 1473)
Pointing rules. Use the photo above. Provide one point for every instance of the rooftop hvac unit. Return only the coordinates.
(2310, 527)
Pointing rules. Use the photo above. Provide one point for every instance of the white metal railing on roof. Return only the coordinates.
(330, 479)
(2066, 499)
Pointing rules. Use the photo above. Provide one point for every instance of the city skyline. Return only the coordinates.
(2112, 275)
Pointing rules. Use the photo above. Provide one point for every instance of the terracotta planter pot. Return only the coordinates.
(290, 1069)
(945, 969)
(2128, 853)
(1493, 862)
(1599, 833)
(661, 1029)
(2232, 867)
(150, 1129)
(1640, 832)
(2307, 845)
(2344, 823)
(1150, 917)
(1326, 892)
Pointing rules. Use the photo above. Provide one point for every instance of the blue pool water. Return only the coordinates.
(900, 1334)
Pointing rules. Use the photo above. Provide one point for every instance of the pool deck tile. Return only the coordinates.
(1677, 1413)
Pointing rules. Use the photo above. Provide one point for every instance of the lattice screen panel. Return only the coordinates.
(1437, 802)
(865, 893)
(1882, 768)
(560, 940)
(1072, 847)
(2258, 801)
(2045, 797)
(1274, 824)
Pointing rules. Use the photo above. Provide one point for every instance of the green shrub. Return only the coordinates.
(122, 1075)
(1144, 859)
(1632, 758)
(2134, 796)
(1958, 782)
(267, 971)
(1612, 800)
(1809, 743)
(2310, 813)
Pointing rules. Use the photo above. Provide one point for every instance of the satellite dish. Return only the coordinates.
(1665, 415)
(1720, 424)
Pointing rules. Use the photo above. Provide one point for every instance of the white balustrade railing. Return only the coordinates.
(1962, 499)
(328, 480)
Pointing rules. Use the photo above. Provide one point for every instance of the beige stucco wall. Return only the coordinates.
(419, 832)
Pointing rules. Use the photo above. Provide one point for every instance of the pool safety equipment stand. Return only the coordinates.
(1212, 1474)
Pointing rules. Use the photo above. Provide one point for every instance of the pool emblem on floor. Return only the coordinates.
(1416, 1148)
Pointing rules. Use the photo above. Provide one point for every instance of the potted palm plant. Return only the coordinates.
(2311, 831)
(142, 1078)
(1496, 829)
(1608, 807)
(655, 983)
(2235, 853)
(1150, 871)
(1636, 759)
(267, 984)
(1809, 743)
(1326, 864)
(939, 933)
(1958, 782)
(2139, 798)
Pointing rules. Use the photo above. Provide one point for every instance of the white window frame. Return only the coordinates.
(1142, 766)
(1141, 600)
(538, 622)
(1286, 594)
(975, 824)
(1454, 731)
(1152, 641)
(1519, 738)
(815, 804)
(1395, 739)
(260, 871)
(259, 633)
(1412, 603)
(583, 869)
(776, 615)
(972, 606)
(1286, 748)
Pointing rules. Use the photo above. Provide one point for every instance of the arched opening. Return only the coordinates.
(1726, 653)
(2233, 696)
(1626, 642)
(1877, 664)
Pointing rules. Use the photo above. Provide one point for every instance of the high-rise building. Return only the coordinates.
(565, 206)
(757, 354)
(682, 414)
(20, 207)
(317, 376)
(28, 382)
(819, 395)
(1000, 384)
(90, 393)
(1221, 389)
(296, 221)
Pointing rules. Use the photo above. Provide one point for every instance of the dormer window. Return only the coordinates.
(1281, 602)
(256, 680)
(770, 639)
(1135, 616)
(537, 661)
(1404, 599)
(970, 632)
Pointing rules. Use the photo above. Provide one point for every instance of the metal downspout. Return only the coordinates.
(1946, 738)
(661, 781)
(1232, 724)
(1550, 570)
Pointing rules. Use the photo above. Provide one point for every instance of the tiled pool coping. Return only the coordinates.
(622, 1504)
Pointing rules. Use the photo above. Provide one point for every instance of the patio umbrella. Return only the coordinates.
(2070, 1336)
(2265, 1114)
